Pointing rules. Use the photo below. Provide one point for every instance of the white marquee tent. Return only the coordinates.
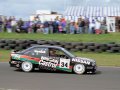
(74, 12)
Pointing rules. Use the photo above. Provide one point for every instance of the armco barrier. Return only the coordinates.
(9, 44)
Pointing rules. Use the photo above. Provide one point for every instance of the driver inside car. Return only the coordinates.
(52, 53)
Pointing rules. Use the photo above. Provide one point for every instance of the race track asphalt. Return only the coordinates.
(107, 78)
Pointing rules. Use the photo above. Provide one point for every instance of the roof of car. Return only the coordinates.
(48, 46)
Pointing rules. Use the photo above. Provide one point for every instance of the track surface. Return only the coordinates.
(108, 78)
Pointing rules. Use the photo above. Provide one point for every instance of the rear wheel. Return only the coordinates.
(27, 66)
(79, 68)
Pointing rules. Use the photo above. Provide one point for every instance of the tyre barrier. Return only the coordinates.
(10, 44)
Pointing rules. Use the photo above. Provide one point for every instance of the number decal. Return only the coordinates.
(64, 63)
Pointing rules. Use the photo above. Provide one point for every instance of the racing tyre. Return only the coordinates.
(7, 48)
(79, 69)
(27, 66)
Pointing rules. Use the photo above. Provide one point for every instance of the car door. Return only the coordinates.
(48, 63)
(62, 58)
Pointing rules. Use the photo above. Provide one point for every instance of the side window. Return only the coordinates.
(57, 53)
(37, 52)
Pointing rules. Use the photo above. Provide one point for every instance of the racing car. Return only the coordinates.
(53, 58)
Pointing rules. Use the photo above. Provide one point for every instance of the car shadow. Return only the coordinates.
(57, 72)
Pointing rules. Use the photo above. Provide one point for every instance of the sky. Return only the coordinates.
(25, 8)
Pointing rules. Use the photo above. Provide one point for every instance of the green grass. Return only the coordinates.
(103, 38)
(102, 59)
(4, 55)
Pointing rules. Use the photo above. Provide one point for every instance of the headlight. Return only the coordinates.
(93, 63)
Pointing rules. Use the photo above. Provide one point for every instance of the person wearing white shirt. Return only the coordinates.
(13, 24)
(97, 24)
(91, 27)
(97, 27)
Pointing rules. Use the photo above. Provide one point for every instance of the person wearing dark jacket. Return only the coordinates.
(81, 26)
(1, 22)
(55, 26)
(46, 27)
(20, 23)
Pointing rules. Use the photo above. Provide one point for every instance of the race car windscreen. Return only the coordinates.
(68, 53)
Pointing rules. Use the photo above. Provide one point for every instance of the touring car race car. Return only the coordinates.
(51, 58)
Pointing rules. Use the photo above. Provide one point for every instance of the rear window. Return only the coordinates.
(37, 52)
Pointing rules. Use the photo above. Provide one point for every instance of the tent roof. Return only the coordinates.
(91, 11)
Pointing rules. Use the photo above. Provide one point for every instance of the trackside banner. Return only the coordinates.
(111, 24)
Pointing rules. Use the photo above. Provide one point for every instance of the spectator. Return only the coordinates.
(46, 27)
(41, 28)
(97, 27)
(1, 22)
(72, 27)
(63, 24)
(30, 27)
(27, 27)
(78, 23)
(8, 26)
(51, 26)
(81, 26)
(35, 27)
(87, 25)
(4, 24)
(14, 24)
(55, 26)
(76, 28)
(36, 24)
(104, 27)
(20, 23)
(67, 26)
(92, 27)
(60, 27)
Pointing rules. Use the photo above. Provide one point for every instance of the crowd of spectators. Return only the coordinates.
(59, 25)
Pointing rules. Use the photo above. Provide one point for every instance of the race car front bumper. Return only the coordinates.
(91, 69)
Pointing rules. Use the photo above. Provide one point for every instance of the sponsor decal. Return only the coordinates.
(80, 60)
(47, 62)
(44, 58)
(40, 51)
(30, 58)
(15, 56)
(25, 58)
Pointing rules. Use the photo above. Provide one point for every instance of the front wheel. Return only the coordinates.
(79, 68)
(27, 66)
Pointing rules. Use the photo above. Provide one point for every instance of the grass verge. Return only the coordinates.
(102, 38)
(4, 55)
